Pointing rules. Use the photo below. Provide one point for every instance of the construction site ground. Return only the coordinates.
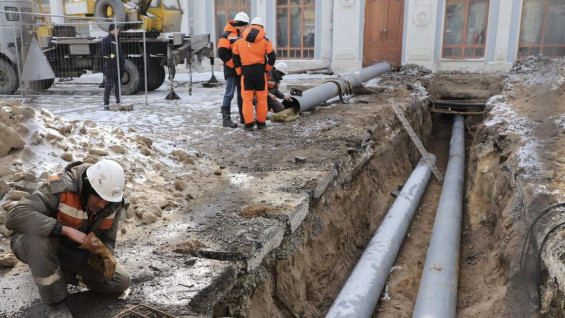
(230, 223)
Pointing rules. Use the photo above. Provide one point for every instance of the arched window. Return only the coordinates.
(541, 30)
(295, 29)
(465, 30)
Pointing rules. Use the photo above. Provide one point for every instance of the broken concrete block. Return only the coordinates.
(8, 260)
(148, 218)
(9, 139)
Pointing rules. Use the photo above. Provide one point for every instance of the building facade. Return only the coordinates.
(346, 35)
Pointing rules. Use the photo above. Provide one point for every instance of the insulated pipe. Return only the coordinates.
(437, 296)
(360, 294)
(319, 94)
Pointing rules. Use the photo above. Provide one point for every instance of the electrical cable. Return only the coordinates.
(524, 256)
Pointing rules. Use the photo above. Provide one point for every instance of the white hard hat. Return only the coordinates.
(108, 179)
(282, 67)
(241, 17)
(257, 21)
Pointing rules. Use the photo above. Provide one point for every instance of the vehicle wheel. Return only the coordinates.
(41, 85)
(130, 80)
(155, 76)
(9, 82)
(109, 9)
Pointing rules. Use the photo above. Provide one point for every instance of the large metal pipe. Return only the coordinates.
(360, 294)
(321, 93)
(437, 295)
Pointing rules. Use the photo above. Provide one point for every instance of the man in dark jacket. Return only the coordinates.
(66, 231)
(274, 77)
(111, 50)
(232, 32)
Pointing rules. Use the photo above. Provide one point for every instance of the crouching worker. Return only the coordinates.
(66, 231)
(274, 78)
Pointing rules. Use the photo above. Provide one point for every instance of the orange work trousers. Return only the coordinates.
(254, 87)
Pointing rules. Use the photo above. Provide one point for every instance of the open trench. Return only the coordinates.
(303, 277)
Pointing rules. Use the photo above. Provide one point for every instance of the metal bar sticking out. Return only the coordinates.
(415, 139)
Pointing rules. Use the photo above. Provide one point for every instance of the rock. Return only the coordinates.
(36, 138)
(144, 151)
(44, 175)
(4, 188)
(155, 210)
(54, 135)
(5, 170)
(4, 231)
(26, 112)
(8, 260)
(15, 195)
(3, 216)
(148, 218)
(139, 212)
(183, 156)
(9, 139)
(179, 185)
(67, 156)
(16, 162)
(147, 141)
(117, 149)
(66, 129)
(98, 152)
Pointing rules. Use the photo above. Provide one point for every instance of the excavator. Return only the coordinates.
(70, 53)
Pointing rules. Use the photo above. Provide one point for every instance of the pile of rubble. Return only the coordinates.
(35, 144)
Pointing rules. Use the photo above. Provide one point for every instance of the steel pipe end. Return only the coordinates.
(294, 103)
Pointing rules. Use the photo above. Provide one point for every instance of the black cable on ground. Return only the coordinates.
(530, 237)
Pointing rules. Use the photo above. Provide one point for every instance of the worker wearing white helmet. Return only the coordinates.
(274, 77)
(232, 32)
(257, 21)
(67, 229)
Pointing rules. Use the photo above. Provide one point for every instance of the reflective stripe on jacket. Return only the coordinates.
(57, 202)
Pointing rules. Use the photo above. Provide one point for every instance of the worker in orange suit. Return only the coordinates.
(232, 32)
(253, 57)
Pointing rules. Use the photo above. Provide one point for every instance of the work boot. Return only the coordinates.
(261, 125)
(226, 118)
(58, 310)
(249, 126)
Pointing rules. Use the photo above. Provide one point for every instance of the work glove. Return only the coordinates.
(100, 258)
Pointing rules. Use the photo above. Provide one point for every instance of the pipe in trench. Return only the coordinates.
(315, 96)
(361, 292)
(437, 295)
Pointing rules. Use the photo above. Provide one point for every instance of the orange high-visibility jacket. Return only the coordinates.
(230, 35)
(57, 203)
(253, 50)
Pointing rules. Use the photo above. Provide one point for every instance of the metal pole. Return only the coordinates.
(319, 94)
(145, 62)
(437, 296)
(360, 294)
(118, 44)
(18, 67)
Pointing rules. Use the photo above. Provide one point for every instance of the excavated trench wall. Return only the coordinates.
(303, 276)
(501, 206)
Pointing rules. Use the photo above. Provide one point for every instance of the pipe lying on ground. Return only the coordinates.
(319, 94)
(360, 294)
(437, 295)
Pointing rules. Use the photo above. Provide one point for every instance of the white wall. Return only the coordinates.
(420, 26)
(424, 37)
(347, 35)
